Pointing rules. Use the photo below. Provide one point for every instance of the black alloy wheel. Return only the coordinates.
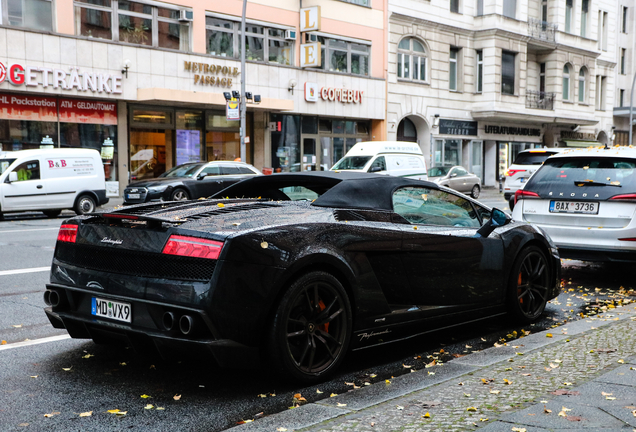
(529, 285)
(475, 191)
(312, 328)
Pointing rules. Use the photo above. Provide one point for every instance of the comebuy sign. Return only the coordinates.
(37, 76)
(341, 95)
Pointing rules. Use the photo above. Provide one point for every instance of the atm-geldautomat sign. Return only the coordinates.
(75, 78)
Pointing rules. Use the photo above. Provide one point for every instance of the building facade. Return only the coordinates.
(148, 78)
(475, 82)
(625, 30)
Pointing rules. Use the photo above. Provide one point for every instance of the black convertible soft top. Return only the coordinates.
(339, 189)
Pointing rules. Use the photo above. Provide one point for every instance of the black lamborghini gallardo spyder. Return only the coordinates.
(296, 269)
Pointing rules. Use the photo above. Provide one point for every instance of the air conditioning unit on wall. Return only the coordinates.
(185, 15)
(290, 34)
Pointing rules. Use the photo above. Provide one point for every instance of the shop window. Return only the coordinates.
(411, 60)
(31, 14)
(23, 135)
(135, 22)
(310, 125)
(508, 73)
(261, 43)
(344, 56)
(222, 138)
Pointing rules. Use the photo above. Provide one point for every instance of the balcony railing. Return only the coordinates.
(539, 100)
(541, 30)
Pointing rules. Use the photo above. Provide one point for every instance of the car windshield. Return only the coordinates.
(4, 164)
(565, 174)
(186, 170)
(351, 163)
(438, 171)
(532, 158)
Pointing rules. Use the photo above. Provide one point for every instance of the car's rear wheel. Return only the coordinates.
(529, 285)
(311, 329)
(85, 204)
(474, 192)
(179, 195)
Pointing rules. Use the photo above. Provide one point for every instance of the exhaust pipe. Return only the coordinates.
(54, 298)
(168, 320)
(186, 324)
(47, 297)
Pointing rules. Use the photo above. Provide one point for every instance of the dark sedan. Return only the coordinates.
(189, 181)
(314, 265)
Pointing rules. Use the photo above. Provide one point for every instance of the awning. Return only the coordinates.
(584, 144)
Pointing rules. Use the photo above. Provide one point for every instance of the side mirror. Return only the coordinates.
(13, 177)
(375, 169)
(453, 175)
(497, 219)
(202, 176)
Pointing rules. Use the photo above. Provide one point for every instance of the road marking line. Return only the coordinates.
(27, 270)
(34, 342)
(37, 229)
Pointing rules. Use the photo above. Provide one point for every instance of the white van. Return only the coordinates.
(51, 180)
(396, 158)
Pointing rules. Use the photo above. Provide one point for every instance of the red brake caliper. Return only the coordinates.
(519, 289)
(324, 327)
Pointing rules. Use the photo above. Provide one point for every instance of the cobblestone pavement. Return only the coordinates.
(543, 378)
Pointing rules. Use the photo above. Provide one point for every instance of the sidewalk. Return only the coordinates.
(578, 376)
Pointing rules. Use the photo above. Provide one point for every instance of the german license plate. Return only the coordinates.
(111, 309)
(134, 196)
(574, 207)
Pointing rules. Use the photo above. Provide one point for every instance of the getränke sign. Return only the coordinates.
(341, 95)
(76, 78)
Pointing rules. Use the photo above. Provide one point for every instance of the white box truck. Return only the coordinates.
(51, 180)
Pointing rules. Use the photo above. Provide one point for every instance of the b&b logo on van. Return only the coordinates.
(56, 163)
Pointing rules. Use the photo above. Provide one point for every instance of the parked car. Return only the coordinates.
(456, 177)
(189, 181)
(396, 158)
(586, 201)
(524, 165)
(51, 180)
(371, 260)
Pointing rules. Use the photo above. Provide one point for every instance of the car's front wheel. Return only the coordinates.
(529, 285)
(311, 329)
(179, 195)
(475, 191)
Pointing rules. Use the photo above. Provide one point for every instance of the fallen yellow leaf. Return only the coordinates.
(51, 414)
(548, 335)
(176, 397)
(149, 406)
(88, 356)
(318, 391)
(86, 414)
(160, 408)
(282, 429)
(221, 205)
(145, 396)
(333, 395)
(341, 404)
(427, 415)
(4, 342)
(471, 409)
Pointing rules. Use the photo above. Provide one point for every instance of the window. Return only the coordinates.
(624, 21)
(582, 76)
(568, 16)
(621, 97)
(453, 69)
(454, 6)
(510, 8)
(544, 10)
(602, 30)
(411, 60)
(480, 7)
(623, 54)
(425, 206)
(585, 4)
(359, 2)
(480, 70)
(261, 43)
(566, 83)
(32, 14)
(507, 73)
(343, 56)
(601, 83)
(542, 79)
(28, 170)
(132, 22)
(379, 164)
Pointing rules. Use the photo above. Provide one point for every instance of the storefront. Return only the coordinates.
(457, 143)
(31, 122)
(509, 141)
(162, 138)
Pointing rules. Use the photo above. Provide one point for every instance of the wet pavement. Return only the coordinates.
(578, 376)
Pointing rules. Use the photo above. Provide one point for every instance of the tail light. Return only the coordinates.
(193, 247)
(624, 197)
(67, 233)
(521, 194)
(512, 172)
(632, 239)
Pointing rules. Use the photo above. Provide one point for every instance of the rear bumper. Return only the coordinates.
(594, 254)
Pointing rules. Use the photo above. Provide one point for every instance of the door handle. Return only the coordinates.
(39, 186)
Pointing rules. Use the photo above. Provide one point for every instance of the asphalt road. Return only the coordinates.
(63, 377)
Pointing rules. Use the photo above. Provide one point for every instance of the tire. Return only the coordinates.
(474, 192)
(529, 285)
(179, 195)
(311, 328)
(52, 213)
(85, 204)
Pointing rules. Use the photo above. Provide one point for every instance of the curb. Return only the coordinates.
(349, 404)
